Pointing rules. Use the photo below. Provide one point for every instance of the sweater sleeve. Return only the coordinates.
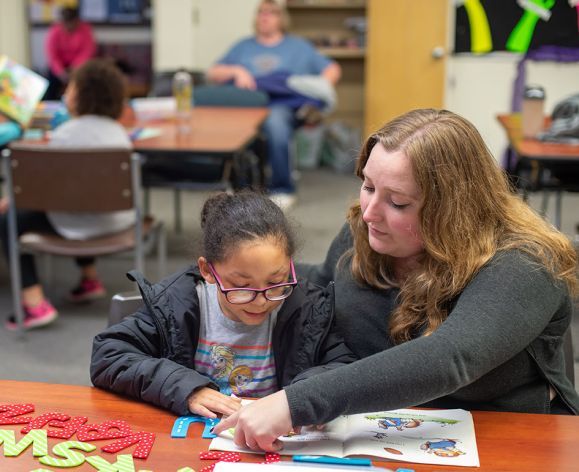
(52, 54)
(125, 359)
(88, 46)
(322, 274)
(505, 307)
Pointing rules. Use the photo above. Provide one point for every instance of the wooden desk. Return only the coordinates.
(506, 441)
(219, 130)
(534, 149)
(535, 156)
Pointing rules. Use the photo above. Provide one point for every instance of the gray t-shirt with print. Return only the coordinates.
(239, 358)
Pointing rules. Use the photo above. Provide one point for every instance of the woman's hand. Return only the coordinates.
(243, 79)
(258, 425)
(207, 402)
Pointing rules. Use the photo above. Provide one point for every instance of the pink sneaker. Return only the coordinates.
(87, 290)
(35, 316)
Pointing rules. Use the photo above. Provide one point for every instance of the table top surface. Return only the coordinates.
(506, 441)
(533, 148)
(214, 130)
(211, 130)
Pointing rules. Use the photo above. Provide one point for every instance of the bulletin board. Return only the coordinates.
(515, 25)
(92, 11)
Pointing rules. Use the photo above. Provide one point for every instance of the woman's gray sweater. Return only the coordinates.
(499, 349)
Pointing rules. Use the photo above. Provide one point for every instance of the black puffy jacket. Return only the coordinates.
(150, 354)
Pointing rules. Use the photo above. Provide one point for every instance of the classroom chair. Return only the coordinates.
(123, 304)
(70, 180)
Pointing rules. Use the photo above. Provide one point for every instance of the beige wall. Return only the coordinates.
(14, 31)
(195, 33)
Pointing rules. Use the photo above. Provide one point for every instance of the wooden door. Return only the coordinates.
(405, 58)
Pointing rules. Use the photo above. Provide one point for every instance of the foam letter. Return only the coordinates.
(124, 463)
(107, 430)
(66, 425)
(71, 458)
(145, 443)
(36, 437)
(8, 412)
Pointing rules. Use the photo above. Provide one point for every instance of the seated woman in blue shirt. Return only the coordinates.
(272, 51)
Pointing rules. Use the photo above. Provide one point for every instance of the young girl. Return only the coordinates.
(95, 99)
(239, 322)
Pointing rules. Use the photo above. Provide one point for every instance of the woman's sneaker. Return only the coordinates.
(34, 316)
(87, 290)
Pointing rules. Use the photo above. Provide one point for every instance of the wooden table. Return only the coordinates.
(533, 149)
(538, 156)
(221, 130)
(506, 441)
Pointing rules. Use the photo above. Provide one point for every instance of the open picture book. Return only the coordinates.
(20, 90)
(444, 437)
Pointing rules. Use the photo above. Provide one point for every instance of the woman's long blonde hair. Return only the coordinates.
(469, 213)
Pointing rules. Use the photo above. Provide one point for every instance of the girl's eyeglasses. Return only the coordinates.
(243, 295)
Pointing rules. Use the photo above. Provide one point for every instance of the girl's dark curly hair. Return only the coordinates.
(100, 89)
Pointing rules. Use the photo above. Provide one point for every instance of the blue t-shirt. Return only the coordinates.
(292, 54)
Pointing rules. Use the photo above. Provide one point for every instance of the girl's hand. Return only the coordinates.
(258, 425)
(207, 402)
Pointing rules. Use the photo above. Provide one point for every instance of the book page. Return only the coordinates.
(443, 437)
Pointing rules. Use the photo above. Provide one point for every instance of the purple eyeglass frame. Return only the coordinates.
(256, 291)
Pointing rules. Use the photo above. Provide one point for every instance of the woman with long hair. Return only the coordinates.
(453, 291)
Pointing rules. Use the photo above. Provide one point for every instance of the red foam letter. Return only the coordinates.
(107, 430)
(8, 412)
(143, 449)
(66, 425)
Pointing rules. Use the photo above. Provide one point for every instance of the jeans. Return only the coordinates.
(26, 221)
(278, 129)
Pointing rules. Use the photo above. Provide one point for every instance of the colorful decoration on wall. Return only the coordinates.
(480, 33)
(515, 25)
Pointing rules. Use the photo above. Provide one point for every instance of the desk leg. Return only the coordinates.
(558, 208)
(545, 203)
(177, 205)
(147, 201)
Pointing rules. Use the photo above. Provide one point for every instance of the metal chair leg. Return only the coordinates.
(14, 248)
